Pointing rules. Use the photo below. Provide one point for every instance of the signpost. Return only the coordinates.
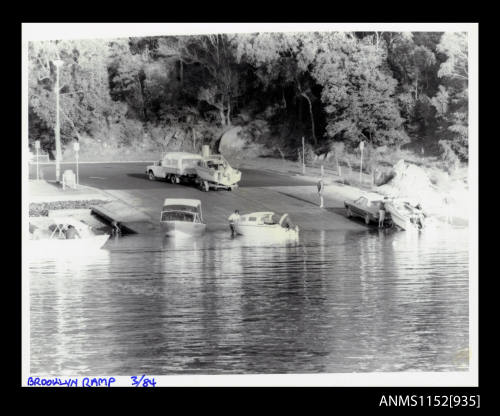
(58, 63)
(303, 157)
(361, 147)
(76, 148)
(37, 147)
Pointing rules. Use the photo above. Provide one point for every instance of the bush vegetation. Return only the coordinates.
(392, 90)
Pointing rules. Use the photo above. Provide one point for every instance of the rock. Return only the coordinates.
(243, 140)
(412, 183)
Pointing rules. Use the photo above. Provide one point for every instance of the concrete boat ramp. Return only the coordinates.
(138, 210)
(130, 219)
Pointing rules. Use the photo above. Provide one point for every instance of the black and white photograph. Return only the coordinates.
(249, 204)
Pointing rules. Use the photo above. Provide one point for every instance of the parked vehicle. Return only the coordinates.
(50, 237)
(265, 225)
(175, 167)
(215, 172)
(405, 216)
(366, 207)
(182, 217)
(211, 172)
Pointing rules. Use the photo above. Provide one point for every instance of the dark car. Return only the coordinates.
(366, 208)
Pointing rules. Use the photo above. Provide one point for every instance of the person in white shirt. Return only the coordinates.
(321, 187)
(381, 215)
(233, 218)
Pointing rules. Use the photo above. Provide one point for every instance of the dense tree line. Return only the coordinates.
(386, 88)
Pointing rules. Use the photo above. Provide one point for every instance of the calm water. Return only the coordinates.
(334, 302)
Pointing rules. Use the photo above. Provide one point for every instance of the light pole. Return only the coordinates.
(76, 147)
(58, 63)
(361, 146)
(37, 146)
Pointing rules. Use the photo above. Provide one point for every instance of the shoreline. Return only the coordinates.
(337, 188)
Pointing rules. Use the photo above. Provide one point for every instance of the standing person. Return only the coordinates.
(233, 218)
(116, 230)
(321, 187)
(420, 215)
(381, 215)
(71, 233)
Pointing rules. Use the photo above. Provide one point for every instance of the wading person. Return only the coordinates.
(321, 187)
(116, 230)
(381, 215)
(233, 218)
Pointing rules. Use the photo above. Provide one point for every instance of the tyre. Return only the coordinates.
(367, 219)
(151, 176)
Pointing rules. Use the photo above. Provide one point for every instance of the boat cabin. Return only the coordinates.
(185, 210)
(264, 218)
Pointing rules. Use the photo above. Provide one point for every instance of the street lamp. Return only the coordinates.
(58, 63)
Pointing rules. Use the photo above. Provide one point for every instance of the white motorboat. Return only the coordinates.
(215, 172)
(50, 236)
(182, 217)
(265, 225)
(404, 215)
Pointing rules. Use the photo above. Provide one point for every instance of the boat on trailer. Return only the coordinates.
(404, 215)
(214, 172)
(182, 217)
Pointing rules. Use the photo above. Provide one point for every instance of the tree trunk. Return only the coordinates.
(181, 72)
(416, 89)
(222, 116)
(228, 114)
(141, 89)
(312, 117)
(300, 110)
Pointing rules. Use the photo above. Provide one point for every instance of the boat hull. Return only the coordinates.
(58, 247)
(218, 180)
(273, 232)
(400, 219)
(183, 228)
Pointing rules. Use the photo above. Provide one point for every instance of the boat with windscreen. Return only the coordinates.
(62, 236)
(266, 224)
(182, 217)
(214, 172)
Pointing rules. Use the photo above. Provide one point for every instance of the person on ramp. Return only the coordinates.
(321, 187)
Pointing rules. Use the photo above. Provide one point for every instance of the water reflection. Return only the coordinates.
(330, 302)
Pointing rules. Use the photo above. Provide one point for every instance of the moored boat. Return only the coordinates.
(62, 236)
(265, 225)
(182, 217)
